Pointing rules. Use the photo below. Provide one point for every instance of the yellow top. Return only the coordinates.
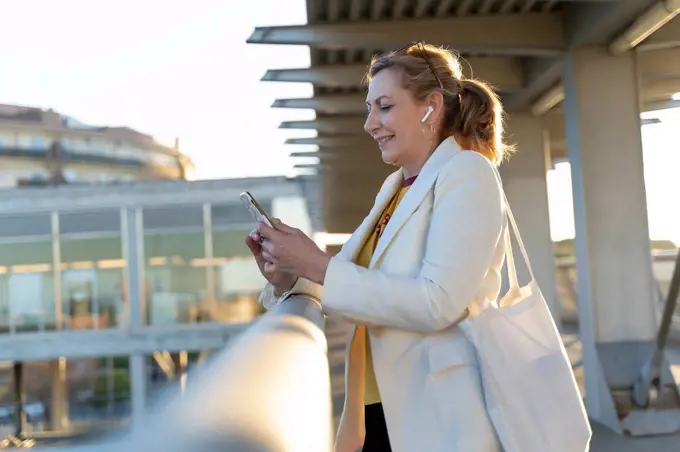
(372, 395)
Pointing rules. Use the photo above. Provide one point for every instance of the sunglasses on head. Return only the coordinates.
(423, 53)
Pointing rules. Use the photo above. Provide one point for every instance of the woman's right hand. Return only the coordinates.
(282, 281)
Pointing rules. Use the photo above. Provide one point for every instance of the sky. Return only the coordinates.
(168, 68)
(661, 160)
(183, 69)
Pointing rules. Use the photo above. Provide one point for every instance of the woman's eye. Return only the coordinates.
(385, 107)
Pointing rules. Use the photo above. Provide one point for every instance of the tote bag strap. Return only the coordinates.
(510, 258)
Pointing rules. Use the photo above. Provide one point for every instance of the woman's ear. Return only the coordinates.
(429, 111)
(435, 104)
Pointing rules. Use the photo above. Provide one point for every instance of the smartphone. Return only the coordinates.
(256, 211)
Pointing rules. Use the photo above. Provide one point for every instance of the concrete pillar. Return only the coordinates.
(333, 249)
(524, 180)
(59, 406)
(612, 243)
(612, 246)
(348, 196)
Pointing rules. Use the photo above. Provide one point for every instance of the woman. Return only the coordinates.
(428, 255)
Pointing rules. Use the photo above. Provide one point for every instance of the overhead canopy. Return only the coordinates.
(517, 45)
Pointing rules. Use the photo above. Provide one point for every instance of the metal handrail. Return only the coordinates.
(565, 284)
(268, 391)
(657, 256)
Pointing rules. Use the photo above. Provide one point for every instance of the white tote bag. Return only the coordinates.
(531, 393)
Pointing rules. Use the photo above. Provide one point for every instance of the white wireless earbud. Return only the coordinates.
(427, 115)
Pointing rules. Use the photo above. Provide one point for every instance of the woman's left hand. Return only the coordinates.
(292, 251)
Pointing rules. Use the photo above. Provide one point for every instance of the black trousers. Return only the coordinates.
(376, 430)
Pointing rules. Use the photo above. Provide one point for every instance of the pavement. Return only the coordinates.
(604, 440)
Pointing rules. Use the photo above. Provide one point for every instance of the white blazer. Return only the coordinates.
(439, 258)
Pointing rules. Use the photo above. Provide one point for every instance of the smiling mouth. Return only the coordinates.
(385, 139)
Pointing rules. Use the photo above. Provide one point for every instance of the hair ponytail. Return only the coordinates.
(476, 120)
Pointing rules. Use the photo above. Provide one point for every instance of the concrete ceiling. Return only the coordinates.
(516, 45)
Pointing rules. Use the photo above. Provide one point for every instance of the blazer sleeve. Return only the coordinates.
(304, 286)
(465, 227)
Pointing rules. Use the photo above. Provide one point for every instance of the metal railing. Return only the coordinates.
(566, 284)
(267, 391)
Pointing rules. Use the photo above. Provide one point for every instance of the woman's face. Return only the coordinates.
(394, 121)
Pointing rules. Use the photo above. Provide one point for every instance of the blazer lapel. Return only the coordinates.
(356, 241)
(415, 195)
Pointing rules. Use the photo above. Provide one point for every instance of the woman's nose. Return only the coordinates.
(372, 124)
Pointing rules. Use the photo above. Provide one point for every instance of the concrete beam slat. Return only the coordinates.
(340, 125)
(332, 76)
(363, 155)
(347, 167)
(369, 158)
(336, 104)
(535, 34)
(310, 154)
(504, 73)
(358, 141)
(334, 153)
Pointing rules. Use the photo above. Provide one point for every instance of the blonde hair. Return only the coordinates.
(473, 114)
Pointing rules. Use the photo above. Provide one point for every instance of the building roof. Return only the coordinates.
(17, 116)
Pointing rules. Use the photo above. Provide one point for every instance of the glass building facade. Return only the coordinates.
(68, 270)
(152, 256)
